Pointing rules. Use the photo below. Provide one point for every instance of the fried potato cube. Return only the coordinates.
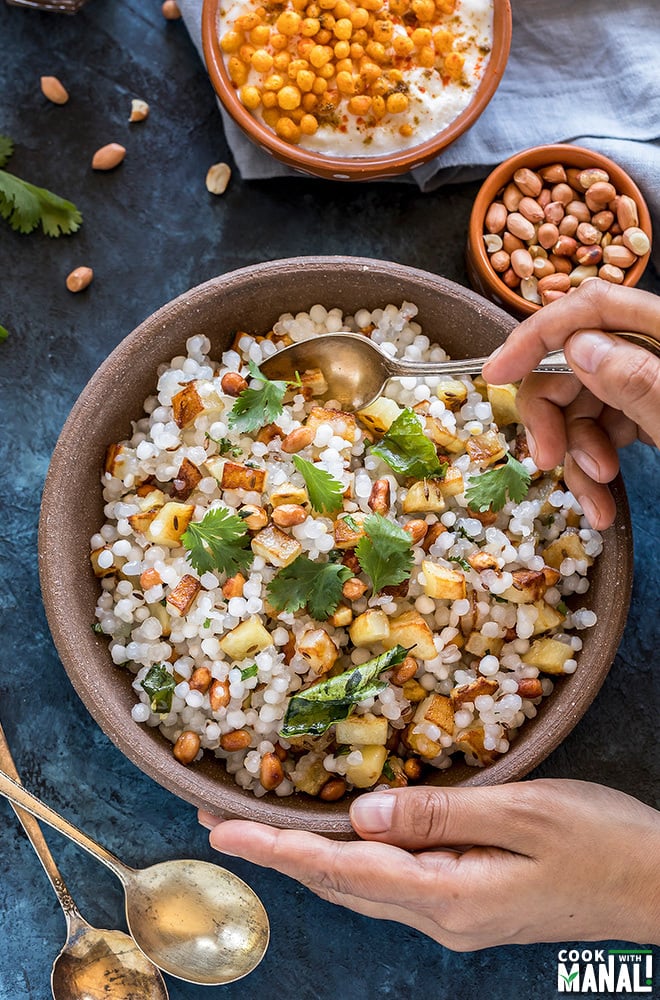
(313, 383)
(343, 424)
(347, 537)
(548, 654)
(186, 480)
(181, 597)
(242, 477)
(413, 691)
(438, 710)
(161, 613)
(471, 741)
(275, 546)
(140, 522)
(309, 774)
(289, 493)
(529, 585)
(548, 618)
(379, 416)
(481, 560)
(486, 448)
(452, 393)
(410, 630)
(468, 692)
(247, 639)
(567, 546)
(318, 649)
(424, 496)
(502, 399)
(480, 645)
(342, 616)
(367, 773)
(452, 483)
(369, 628)
(360, 730)
(443, 438)
(101, 571)
(421, 744)
(442, 583)
(170, 523)
(195, 398)
(117, 458)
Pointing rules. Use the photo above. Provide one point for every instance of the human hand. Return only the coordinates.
(581, 421)
(551, 861)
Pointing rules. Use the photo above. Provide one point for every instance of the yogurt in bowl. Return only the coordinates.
(369, 87)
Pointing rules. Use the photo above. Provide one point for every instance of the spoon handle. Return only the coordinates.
(37, 839)
(20, 796)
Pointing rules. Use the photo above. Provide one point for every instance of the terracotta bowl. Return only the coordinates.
(251, 299)
(352, 168)
(481, 274)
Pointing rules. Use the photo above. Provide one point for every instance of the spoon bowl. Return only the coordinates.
(193, 919)
(357, 370)
(98, 964)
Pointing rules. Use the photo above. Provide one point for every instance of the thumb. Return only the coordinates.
(426, 817)
(620, 374)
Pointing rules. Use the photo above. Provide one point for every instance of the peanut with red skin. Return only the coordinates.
(416, 529)
(233, 384)
(288, 514)
(238, 739)
(271, 772)
(297, 439)
(333, 790)
(379, 498)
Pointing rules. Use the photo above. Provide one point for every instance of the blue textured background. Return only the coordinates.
(151, 231)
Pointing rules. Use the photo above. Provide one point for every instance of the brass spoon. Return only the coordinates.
(195, 920)
(357, 370)
(94, 964)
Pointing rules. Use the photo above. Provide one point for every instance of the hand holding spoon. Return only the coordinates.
(357, 370)
(94, 964)
(193, 919)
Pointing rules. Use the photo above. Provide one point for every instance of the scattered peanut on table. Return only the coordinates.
(108, 157)
(54, 90)
(549, 230)
(79, 279)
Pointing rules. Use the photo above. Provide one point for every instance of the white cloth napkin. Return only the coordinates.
(581, 71)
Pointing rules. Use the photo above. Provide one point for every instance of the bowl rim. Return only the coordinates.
(78, 645)
(502, 174)
(354, 168)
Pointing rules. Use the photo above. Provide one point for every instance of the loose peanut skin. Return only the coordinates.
(186, 747)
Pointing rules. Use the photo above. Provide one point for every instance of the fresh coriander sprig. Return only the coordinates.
(256, 407)
(407, 450)
(159, 684)
(220, 541)
(489, 490)
(26, 206)
(384, 552)
(309, 583)
(324, 491)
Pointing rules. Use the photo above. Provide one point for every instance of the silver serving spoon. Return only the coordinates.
(357, 370)
(94, 964)
(193, 919)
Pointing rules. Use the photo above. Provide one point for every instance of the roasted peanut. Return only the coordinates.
(568, 226)
(511, 242)
(492, 242)
(603, 220)
(186, 747)
(500, 261)
(579, 210)
(200, 679)
(379, 498)
(271, 772)
(531, 210)
(608, 272)
(636, 240)
(588, 234)
(554, 173)
(589, 255)
(288, 514)
(554, 212)
(554, 283)
(333, 790)
(219, 696)
(510, 278)
(581, 273)
(626, 212)
(404, 672)
(496, 217)
(217, 178)
(562, 193)
(519, 226)
(108, 157)
(412, 769)
(255, 517)
(528, 182)
(560, 264)
(530, 687)
(620, 256)
(233, 586)
(233, 384)
(565, 246)
(599, 195)
(238, 739)
(53, 90)
(79, 279)
(588, 177)
(416, 529)
(511, 196)
(522, 263)
(547, 235)
(297, 439)
(543, 267)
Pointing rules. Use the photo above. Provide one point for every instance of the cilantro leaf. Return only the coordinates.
(4, 333)
(325, 492)
(489, 490)
(220, 541)
(251, 671)
(384, 552)
(226, 447)
(407, 450)
(254, 408)
(6, 149)
(307, 582)
(463, 563)
(159, 684)
(317, 708)
(26, 206)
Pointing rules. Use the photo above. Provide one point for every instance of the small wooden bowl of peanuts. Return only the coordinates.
(550, 217)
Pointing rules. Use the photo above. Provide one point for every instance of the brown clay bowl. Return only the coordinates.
(352, 168)
(481, 274)
(251, 299)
